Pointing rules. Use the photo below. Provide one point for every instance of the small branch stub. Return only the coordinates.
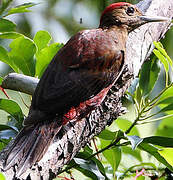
(20, 82)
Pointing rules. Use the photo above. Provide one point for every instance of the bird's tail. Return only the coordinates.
(30, 145)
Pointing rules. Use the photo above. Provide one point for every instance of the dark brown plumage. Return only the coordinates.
(75, 82)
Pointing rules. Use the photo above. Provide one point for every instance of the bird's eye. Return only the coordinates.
(130, 10)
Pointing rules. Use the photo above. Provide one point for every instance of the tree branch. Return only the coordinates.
(20, 82)
(76, 135)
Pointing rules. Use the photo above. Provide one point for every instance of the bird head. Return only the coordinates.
(127, 15)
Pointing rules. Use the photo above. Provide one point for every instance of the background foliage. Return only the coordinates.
(137, 145)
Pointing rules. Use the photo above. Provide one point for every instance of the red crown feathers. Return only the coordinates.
(113, 6)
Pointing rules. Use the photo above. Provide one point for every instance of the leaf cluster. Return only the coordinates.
(24, 55)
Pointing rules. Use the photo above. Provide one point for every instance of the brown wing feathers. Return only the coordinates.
(74, 76)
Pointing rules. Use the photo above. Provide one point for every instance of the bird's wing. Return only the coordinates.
(76, 75)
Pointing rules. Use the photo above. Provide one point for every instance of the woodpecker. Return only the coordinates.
(75, 82)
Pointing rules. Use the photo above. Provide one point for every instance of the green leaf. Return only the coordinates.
(2, 177)
(89, 168)
(10, 35)
(112, 155)
(132, 89)
(167, 153)
(135, 141)
(159, 140)
(100, 167)
(165, 128)
(154, 152)
(6, 127)
(165, 131)
(4, 142)
(4, 5)
(124, 124)
(107, 135)
(128, 150)
(21, 54)
(6, 25)
(41, 39)
(166, 101)
(167, 95)
(85, 155)
(45, 56)
(141, 178)
(138, 95)
(162, 59)
(21, 8)
(1, 80)
(88, 150)
(168, 109)
(4, 55)
(13, 109)
(148, 76)
(159, 46)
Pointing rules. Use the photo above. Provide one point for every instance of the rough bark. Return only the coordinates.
(75, 136)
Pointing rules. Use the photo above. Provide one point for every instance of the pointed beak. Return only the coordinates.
(143, 19)
(146, 19)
